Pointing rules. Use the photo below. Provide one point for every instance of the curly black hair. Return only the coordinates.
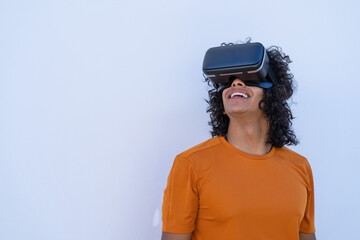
(276, 107)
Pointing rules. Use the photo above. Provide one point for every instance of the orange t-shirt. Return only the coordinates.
(219, 192)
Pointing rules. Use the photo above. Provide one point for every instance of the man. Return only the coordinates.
(243, 183)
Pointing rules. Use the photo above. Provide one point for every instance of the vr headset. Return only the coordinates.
(248, 61)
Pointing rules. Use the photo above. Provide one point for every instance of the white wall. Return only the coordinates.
(97, 98)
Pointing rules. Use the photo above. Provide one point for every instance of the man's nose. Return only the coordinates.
(237, 82)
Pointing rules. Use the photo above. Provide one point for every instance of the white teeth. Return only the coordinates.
(239, 94)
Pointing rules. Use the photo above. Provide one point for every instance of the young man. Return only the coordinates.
(243, 183)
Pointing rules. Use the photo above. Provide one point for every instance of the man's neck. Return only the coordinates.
(249, 135)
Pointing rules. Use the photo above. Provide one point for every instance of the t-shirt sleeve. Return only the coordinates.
(180, 202)
(307, 224)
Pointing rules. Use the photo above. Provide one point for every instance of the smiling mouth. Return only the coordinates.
(239, 95)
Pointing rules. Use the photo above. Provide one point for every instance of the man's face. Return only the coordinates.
(245, 99)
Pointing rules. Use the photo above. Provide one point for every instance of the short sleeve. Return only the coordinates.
(180, 201)
(307, 224)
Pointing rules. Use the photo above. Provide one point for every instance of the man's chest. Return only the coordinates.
(253, 191)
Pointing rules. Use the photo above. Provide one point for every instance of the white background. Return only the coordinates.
(97, 98)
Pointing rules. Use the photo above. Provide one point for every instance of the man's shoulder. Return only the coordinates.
(287, 150)
(293, 156)
(202, 147)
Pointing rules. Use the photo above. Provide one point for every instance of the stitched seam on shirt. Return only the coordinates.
(202, 149)
(188, 161)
